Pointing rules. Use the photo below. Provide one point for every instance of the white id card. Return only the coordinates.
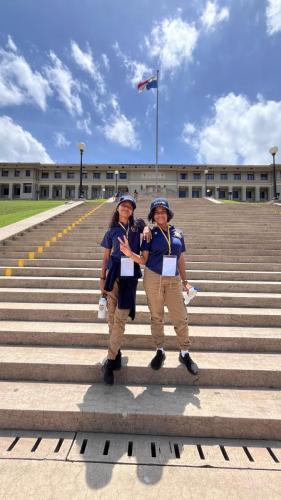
(127, 267)
(169, 265)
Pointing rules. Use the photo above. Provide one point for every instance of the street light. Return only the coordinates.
(103, 193)
(116, 176)
(205, 172)
(81, 146)
(273, 151)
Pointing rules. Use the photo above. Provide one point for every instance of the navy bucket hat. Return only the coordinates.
(160, 202)
(127, 197)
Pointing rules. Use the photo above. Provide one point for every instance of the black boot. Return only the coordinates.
(108, 375)
(117, 363)
(189, 363)
(158, 360)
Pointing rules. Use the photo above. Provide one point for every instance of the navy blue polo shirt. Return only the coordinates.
(158, 247)
(110, 240)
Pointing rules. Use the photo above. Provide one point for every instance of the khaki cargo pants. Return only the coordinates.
(117, 319)
(166, 291)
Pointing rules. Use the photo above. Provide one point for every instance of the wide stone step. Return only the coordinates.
(182, 411)
(93, 284)
(92, 296)
(203, 338)
(88, 313)
(78, 365)
(193, 274)
(76, 263)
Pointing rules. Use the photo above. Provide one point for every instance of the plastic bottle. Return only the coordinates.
(102, 312)
(190, 295)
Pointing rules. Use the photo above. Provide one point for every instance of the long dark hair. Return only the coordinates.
(115, 220)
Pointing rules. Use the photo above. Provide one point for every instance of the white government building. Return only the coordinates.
(38, 181)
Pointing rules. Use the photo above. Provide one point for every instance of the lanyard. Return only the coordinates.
(126, 230)
(167, 239)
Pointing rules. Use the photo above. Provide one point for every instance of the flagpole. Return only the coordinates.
(156, 141)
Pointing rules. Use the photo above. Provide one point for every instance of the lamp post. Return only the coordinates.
(103, 192)
(81, 147)
(273, 151)
(116, 177)
(205, 172)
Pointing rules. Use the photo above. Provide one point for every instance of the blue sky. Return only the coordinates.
(69, 68)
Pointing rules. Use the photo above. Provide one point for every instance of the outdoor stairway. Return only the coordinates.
(52, 343)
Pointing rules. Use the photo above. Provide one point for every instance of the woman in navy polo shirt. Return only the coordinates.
(164, 281)
(119, 278)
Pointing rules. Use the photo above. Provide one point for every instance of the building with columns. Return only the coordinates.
(38, 181)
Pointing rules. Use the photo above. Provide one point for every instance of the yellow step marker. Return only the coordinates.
(59, 235)
(47, 243)
(31, 255)
(64, 231)
(69, 228)
(8, 271)
(21, 263)
(54, 238)
(40, 249)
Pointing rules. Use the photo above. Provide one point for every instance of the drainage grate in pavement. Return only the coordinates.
(158, 450)
(140, 449)
(35, 445)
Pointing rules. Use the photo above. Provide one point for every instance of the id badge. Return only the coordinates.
(127, 267)
(169, 265)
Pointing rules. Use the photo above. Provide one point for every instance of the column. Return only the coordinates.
(257, 193)
(63, 191)
(10, 191)
(243, 192)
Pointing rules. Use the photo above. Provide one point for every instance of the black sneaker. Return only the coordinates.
(117, 363)
(189, 363)
(108, 375)
(158, 360)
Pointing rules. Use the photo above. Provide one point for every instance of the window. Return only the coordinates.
(27, 188)
(45, 175)
(210, 177)
(196, 176)
(5, 173)
(96, 175)
(70, 175)
(123, 175)
(183, 176)
(57, 175)
(109, 175)
(17, 173)
(251, 177)
(223, 176)
(264, 177)
(27, 173)
(84, 175)
(237, 177)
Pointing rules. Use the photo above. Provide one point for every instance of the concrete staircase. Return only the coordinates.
(52, 343)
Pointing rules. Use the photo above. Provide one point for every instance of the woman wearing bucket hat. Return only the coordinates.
(119, 278)
(164, 281)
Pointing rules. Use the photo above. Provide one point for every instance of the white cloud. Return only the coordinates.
(212, 15)
(121, 130)
(136, 70)
(18, 83)
(85, 124)
(11, 44)
(105, 61)
(172, 41)
(273, 16)
(60, 140)
(86, 62)
(238, 132)
(18, 145)
(65, 85)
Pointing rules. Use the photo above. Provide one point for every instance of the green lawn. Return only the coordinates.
(14, 210)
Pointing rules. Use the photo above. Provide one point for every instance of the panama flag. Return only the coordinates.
(151, 83)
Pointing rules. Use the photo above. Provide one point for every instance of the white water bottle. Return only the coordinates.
(190, 295)
(102, 312)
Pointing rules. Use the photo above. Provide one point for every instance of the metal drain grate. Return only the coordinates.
(35, 445)
(158, 450)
